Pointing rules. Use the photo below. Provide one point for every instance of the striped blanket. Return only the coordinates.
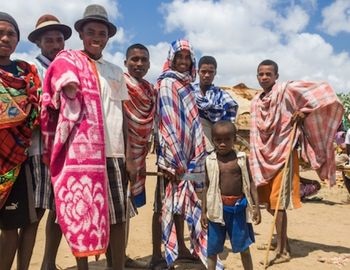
(18, 116)
(74, 142)
(182, 199)
(216, 104)
(271, 127)
(181, 150)
(140, 111)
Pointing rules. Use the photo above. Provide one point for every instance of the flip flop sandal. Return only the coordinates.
(160, 264)
(131, 263)
(264, 246)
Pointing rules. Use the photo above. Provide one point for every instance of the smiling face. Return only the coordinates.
(182, 61)
(137, 63)
(95, 37)
(51, 43)
(8, 42)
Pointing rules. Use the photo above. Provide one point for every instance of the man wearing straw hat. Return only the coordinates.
(85, 138)
(283, 115)
(49, 35)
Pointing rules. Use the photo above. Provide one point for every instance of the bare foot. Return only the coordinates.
(278, 258)
(186, 255)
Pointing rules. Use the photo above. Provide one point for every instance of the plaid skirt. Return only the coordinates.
(117, 189)
(43, 191)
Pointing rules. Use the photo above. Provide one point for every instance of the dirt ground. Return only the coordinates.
(319, 234)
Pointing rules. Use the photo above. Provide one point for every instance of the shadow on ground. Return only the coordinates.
(101, 265)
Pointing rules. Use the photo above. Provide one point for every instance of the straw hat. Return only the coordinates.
(96, 13)
(49, 22)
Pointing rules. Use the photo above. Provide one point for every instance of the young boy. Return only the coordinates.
(273, 114)
(228, 193)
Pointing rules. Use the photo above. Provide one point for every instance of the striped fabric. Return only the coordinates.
(140, 110)
(43, 192)
(181, 150)
(180, 133)
(182, 199)
(216, 104)
(270, 128)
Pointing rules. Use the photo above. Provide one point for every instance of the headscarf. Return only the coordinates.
(176, 46)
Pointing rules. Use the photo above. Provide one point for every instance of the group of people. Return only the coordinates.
(75, 131)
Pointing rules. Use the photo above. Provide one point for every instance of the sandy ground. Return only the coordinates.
(319, 234)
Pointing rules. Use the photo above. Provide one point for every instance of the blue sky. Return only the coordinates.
(309, 39)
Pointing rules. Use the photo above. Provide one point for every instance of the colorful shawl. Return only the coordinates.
(181, 148)
(18, 116)
(140, 110)
(215, 105)
(74, 143)
(271, 128)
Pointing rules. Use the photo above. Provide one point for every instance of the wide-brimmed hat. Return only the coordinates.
(49, 22)
(96, 13)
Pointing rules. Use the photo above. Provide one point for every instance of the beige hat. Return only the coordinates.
(49, 22)
(96, 13)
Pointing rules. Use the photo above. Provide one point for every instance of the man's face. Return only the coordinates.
(8, 40)
(182, 61)
(94, 36)
(267, 77)
(206, 74)
(137, 63)
(51, 43)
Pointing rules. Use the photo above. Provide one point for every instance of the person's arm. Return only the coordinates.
(254, 194)
(204, 218)
(70, 90)
(129, 161)
(298, 117)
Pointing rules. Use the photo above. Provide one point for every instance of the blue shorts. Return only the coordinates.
(240, 232)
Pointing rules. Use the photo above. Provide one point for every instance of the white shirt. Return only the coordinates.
(113, 92)
(347, 137)
(36, 148)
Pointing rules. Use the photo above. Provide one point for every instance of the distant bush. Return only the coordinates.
(345, 99)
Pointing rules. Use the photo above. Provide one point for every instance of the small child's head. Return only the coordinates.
(223, 136)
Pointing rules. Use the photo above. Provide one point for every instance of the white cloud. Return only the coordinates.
(295, 21)
(239, 33)
(336, 17)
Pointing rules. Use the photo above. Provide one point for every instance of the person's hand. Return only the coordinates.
(204, 220)
(168, 176)
(298, 117)
(256, 215)
(131, 170)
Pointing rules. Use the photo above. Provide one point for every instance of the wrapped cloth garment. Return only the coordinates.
(18, 117)
(140, 111)
(74, 143)
(271, 127)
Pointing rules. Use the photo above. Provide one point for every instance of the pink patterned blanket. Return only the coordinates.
(271, 126)
(74, 145)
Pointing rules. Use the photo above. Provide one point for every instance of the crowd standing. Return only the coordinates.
(75, 132)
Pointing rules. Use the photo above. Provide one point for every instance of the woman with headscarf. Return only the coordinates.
(181, 156)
